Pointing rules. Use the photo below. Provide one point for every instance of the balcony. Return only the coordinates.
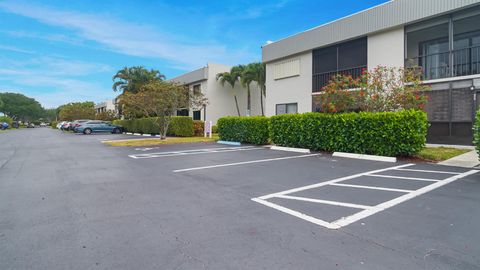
(320, 80)
(455, 63)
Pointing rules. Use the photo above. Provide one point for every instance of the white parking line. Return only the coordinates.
(194, 152)
(350, 205)
(404, 177)
(329, 182)
(368, 210)
(427, 171)
(298, 214)
(370, 187)
(365, 213)
(243, 163)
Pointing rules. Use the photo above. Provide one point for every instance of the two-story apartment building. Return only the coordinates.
(441, 36)
(108, 105)
(221, 101)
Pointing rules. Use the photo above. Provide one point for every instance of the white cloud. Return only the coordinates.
(55, 80)
(15, 49)
(130, 39)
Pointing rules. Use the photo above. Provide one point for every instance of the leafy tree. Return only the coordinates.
(106, 116)
(132, 79)
(255, 72)
(160, 100)
(231, 79)
(380, 90)
(77, 110)
(20, 107)
(50, 115)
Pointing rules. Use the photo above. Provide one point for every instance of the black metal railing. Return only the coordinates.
(460, 62)
(320, 80)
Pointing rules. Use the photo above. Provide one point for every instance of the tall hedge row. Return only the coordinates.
(181, 126)
(476, 133)
(400, 133)
(252, 129)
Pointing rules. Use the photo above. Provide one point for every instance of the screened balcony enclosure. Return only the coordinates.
(445, 47)
(348, 58)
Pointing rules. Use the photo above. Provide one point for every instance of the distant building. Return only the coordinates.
(108, 105)
(221, 100)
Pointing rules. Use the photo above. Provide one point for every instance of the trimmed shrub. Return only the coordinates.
(476, 133)
(53, 124)
(400, 133)
(244, 129)
(181, 126)
(198, 127)
(214, 129)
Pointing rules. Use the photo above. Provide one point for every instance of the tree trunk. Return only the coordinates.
(261, 101)
(249, 102)
(236, 104)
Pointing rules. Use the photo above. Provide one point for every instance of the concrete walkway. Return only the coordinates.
(467, 160)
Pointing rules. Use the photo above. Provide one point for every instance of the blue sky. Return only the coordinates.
(65, 51)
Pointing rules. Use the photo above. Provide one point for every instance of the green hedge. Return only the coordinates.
(181, 126)
(253, 129)
(53, 124)
(389, 133)
(476, 133)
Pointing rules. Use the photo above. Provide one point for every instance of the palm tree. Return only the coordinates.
(255, 72)
(132, 79)
(231, 78)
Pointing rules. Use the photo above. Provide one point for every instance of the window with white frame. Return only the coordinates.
(286, 108)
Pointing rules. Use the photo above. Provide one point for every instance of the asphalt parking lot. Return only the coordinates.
(70, 202)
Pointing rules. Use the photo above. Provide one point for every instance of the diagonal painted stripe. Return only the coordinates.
(371, 187)
(330, 182)
(404, 177)
(365, 213)
(427, 171)
(297, 214)
(351, 205)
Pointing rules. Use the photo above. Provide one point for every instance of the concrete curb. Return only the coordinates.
(365, 157)
(290, 149)
(229, 143)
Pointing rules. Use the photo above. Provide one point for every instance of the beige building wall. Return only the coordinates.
(296, 88)
(221, 100)
(386, 49)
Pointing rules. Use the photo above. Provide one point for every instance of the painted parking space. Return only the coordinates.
(367, 209)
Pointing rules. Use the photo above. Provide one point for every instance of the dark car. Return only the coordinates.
(15, 124)
(98, 126)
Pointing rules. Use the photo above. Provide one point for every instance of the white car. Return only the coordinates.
(59, 125)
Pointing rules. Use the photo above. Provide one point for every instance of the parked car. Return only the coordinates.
(77, 123)
(43, 124)
(4, 125)
(98, 126)
(31, 125)
(59, 125)
(15, 124)
(65, 126)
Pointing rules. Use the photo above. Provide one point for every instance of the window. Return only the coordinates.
(196, 89)
(289, 108)
(196, 115)
(183, 112)
(349, 58)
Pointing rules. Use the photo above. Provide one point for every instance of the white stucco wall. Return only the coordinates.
(297, 89)
(386, 49)
(221, 100)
